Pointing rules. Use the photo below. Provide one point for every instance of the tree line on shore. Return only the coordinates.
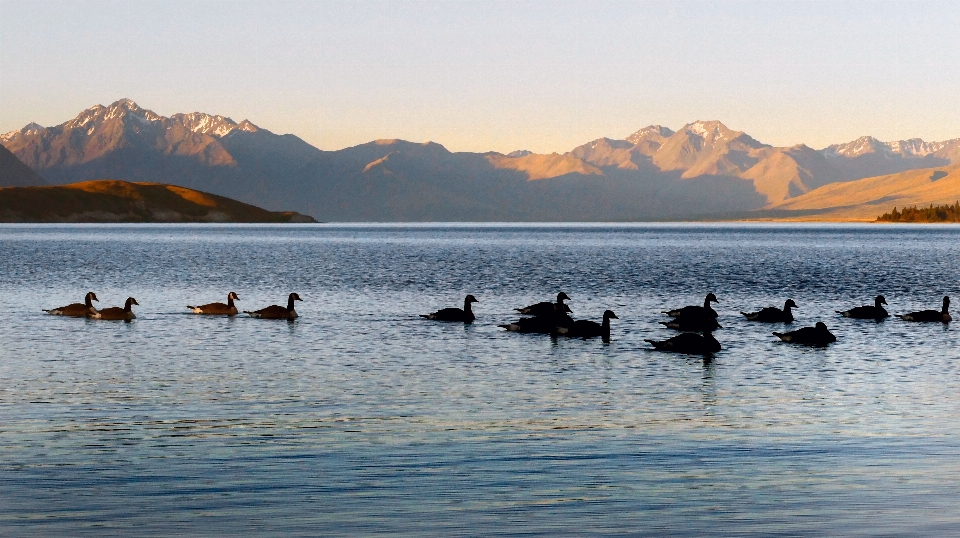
(940, 213)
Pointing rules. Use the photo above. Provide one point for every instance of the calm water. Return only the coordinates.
(361, 418)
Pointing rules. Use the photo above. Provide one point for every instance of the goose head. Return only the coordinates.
(880, 300)
(946, 304)
(608, 314)
(91, 297)
(790, 304)
(470, 299)
(130, 301)
(711, 298)
(233, 296)
(561, 297)
(295, 297)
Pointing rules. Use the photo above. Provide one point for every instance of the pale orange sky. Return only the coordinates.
(478, 76)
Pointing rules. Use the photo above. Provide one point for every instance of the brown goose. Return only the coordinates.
(455, 314)
(218, 309)
(942, 316)
(77, 310)
(277, 311)
(117, 313)
(876, 311)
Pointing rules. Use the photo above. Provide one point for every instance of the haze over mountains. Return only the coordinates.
(702, 169)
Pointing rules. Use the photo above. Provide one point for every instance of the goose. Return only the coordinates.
(455, 314)
(689, 343)
(818, 335)
(772, 314)
(546, 308)
(867, 312)
(585, 328)
(77, 310)
(115, 313)
(218, 308)
(930, 315)
(552, 323)
(693, 323)
(696, 310)
(277, 311)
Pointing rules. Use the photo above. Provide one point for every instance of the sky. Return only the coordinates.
(545, 76)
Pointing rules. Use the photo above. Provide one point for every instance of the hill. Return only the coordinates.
(121, 201)
(864, 199)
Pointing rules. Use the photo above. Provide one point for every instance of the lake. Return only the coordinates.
(360, 417)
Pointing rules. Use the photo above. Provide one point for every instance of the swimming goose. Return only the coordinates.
(696, 310)
(77, 310)
(696, 323)
(689, 343)
(546, 308)
(115, 313)
(930, 315)
(585, 328)
(772, 314)
(464, 315)
(220, 309)
(818, 335)
(277, 311)
(876, 311)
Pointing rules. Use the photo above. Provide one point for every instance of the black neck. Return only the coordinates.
(466, 306)
(128, 306)
(230, 300)
(787, 307)
(290, 304)
(877, 303)
(706, 303)
(88, 300)
(946, 305)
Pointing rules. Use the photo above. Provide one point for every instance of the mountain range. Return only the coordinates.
(702, 169)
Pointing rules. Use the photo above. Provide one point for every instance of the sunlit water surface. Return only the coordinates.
(362, 418)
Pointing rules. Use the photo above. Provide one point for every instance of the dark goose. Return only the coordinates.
(552, 323)
(704, 310)
(695, 323)
(546, 308)
(772, 314)
(115, 313)
(215, 309)
(867, 312)
(585, 328)
(942, 316)
(77, 310)
(689, 343)
(818, 335)
(277, 311)
(464, 315)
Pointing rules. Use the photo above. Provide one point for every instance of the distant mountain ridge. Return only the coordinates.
(703, 168)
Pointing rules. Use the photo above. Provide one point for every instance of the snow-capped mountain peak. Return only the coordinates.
(651, 131)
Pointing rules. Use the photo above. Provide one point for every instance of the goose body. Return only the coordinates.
(818, 335)
(464, 315)
(77, 310)
(693, 323)
(704, 310)
(772, 314)
(867, 312)
(546, 308)
(943, 316)
(549, 324)
(277, 311)
(585, 328)
(116, 313)
(689, 343)
(218, 309)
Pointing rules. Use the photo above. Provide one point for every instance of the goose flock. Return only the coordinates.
(696, 323)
